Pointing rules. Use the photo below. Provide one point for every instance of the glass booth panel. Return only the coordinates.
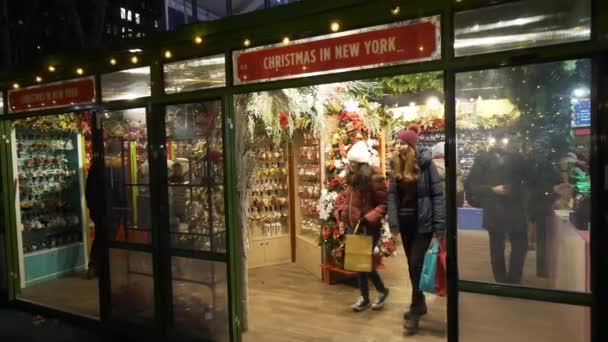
(245, 6)
(132, 286)
(195, 74)
(274, 3)
(523, 144)
(489, 318)
(211, 10)
(126, 84)
(521, 24)
(127, 176)
(196, 176)
(200, 299)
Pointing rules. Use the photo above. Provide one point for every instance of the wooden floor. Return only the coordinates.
(288, 304)
(73, 294)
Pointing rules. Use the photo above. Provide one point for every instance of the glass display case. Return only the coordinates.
(196, 176)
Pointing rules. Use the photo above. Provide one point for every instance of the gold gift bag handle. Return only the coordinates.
(356, 227)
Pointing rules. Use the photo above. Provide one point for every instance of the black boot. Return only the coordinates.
(417, 308)
(412, 325)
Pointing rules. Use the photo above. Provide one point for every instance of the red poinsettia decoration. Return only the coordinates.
(283, 119)
(335, 182)
(326, 233)
(336, 233)
(215, 156)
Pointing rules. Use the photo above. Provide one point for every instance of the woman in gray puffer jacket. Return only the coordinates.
(416, 210)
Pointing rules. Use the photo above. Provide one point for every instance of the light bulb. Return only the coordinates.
(38, 79)
(335, 26)
(198, 40)
(79, 71)
(247, 42)
(168, 54)
(52, 68)
(113, 61)
(15, 85)
(395, 10)
(134, 59)
(286, 40)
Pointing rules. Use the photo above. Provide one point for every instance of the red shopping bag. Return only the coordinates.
(441, 274)
(121, 234)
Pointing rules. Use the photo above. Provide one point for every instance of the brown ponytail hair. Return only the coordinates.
(405, 165)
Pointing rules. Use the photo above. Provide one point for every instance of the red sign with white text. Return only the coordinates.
(53, 95)
(406, 42)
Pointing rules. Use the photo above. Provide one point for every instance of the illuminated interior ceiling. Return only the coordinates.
(195, 74)
(126, 84)
(520, 25)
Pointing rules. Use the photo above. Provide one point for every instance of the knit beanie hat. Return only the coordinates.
(359, 153)
(438, 150)
(410, 135)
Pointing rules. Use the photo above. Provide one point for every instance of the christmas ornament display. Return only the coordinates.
(48, 186)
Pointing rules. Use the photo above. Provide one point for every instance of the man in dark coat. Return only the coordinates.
(93, 189)
(496, 184)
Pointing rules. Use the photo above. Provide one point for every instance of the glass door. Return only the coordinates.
(127, 219)
(523, 160)
(196, 222)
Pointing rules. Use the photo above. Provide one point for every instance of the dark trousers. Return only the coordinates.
(415, 245)
(93, 256)
(364, 277)
(519, 249)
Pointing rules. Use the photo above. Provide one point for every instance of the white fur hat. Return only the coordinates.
(439, 150)
(359, 153)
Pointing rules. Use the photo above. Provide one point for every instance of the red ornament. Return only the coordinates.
(283, 119)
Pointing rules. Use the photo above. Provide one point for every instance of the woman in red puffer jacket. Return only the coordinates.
(365, 205)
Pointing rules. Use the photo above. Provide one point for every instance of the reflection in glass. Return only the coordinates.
(200, 299)
(489, 318)
(195, 176)
(132, 286)
(127, 175)
(521, 24)
(274, 3)
(244, 6)
(126, 84)
(523, 148)
(195, 74)
(1, 103)
(211, 10)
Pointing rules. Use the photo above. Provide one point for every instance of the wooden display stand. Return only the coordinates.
(308, 252)
(271, 249)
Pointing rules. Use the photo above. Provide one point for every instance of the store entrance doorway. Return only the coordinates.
(50, 161)
(293, 148)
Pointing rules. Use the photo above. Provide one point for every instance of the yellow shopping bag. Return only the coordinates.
(358, 252)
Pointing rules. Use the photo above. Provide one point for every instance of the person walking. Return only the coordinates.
(415, 209)
(496, 184)
(365, 205)
(93, 188)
